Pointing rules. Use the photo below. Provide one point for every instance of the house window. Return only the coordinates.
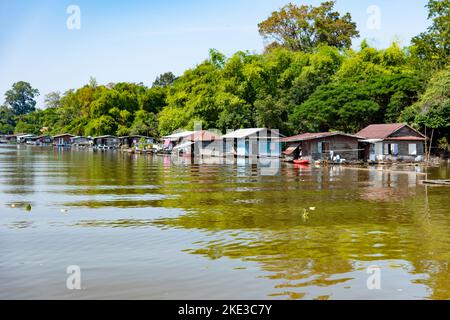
(323, 147)
(412, 149)
(391, 149)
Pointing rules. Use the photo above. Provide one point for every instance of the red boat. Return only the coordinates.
(301, 161)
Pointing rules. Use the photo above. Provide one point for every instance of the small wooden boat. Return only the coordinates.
(301, 161)
(437, 182)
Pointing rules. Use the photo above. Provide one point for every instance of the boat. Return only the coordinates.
(301, 161)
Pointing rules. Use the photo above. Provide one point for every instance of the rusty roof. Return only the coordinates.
(318, 135)
(380, 131)
(406, 138)
(203, 135)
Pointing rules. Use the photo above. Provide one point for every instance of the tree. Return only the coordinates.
(21, 98)
(271, 113)
(145, 123)
(153, 100)
(100, 126)
(164, 80)
(236, 113)
(304, 28)
(7, 122)
(433, 108)
(53, 100)
(433, 46)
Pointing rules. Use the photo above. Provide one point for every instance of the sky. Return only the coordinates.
(136, 40)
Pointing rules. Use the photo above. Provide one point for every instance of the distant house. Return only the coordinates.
(106, 142)
(175, 139)
(16, 138)
(42, 140)
(8, 138)
(130, 141)
(393, 142)
(323, 146)
(80, 141)
(201, 143)
(260, 142)
(22, 138)
(63, 140)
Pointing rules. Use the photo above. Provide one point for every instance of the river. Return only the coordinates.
(146, 227)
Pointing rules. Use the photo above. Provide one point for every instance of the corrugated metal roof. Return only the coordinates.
(63, 135)
(183, 145)
(105, 137)
(406, 138)
(318, 135)
(292, 149)
(179, 135)
(380, 131)
(242, 133)
(203, 135)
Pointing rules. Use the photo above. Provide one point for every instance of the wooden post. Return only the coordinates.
(426, 146)
(431, 141)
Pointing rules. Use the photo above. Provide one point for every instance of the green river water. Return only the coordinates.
(149, 227)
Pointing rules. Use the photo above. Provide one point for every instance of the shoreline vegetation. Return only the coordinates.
(308, 79)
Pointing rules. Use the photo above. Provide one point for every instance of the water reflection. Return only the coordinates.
(238, 216)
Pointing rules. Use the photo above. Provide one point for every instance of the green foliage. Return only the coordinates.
(433, 46)
(371, 86)
(307, 81)
(20, 98)
(304, 28)
(7, 121)
(145, 123)
(35, 121)
(164, 80)
(443, 144)
(433, 108)
(103, 125)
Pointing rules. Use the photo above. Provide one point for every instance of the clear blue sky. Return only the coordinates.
(135, 40)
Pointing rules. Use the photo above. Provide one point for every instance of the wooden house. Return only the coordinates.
(106, 142)
(171, 141)
(201, 143)
(80, 141)
(253, 142)
(131, 141)
(63, 140)
(393, 142)
(332, 146)
(42, 140)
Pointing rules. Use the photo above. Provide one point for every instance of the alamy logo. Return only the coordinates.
(74, 279)
(74, 20)
(374, 280)
(374, 20)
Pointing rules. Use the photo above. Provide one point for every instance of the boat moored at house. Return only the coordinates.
(331, 146)
(393, 142)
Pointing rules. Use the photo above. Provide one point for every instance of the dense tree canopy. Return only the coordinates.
(310, 81)
(21, 98)
(305, 27)
(433, 46)
(433, 108)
